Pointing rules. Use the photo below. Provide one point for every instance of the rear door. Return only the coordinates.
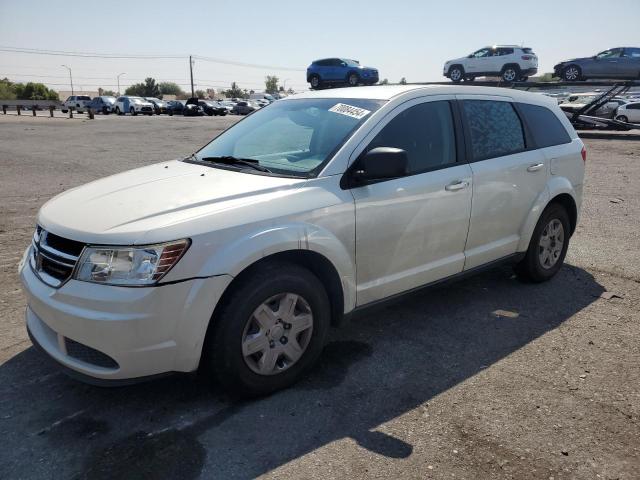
(412, 230)
(630, 62)
(507, 177)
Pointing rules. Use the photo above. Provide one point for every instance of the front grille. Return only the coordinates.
(89, 355)
(54, 258)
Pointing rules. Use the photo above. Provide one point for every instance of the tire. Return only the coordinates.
(133, 112)
(118, 112)
(223, 353)
(622, 118)
(540, 264)
(571, 73)
(105, 111)
(510, 73)
(456, 73)
(316, 82)
(353, 79)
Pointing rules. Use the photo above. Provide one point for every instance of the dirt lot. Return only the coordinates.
(436, 386)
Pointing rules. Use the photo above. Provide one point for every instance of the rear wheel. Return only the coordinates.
(622, 118)
(269, 331)
(548, 245)
(456, 73)
(572, 73)
(510, 73)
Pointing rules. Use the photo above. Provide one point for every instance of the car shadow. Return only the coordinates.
(378, 367)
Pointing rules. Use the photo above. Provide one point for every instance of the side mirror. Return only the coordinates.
(380, 163)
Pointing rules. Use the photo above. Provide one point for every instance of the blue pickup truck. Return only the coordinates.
(340, 71)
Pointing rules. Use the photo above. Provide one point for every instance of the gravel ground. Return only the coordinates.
(436, 386)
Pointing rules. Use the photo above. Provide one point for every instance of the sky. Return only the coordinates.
(402, 38)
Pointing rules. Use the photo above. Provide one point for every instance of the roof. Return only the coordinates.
(387, 92)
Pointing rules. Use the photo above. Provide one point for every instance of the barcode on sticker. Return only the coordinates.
(349, 110)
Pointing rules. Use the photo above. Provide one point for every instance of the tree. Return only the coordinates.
(109, 93)
(403, 81)
(200, 93)
(170, 88)
(234, 91)
(30, 91)
(271, 84)
(384, 82)
(147, 89)
(7, 91)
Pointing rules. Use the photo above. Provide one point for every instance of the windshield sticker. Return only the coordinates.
(349, 110)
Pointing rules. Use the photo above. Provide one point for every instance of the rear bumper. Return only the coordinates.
(528, 72)
(120, 333)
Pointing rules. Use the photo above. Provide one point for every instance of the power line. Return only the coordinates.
(39, 51)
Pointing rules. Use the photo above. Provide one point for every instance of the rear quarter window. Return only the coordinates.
(544, 126)
(494, 128)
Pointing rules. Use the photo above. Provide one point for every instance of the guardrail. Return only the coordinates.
(33, 106)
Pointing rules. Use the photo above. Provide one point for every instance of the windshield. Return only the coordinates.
(109, 99)
(294, 137)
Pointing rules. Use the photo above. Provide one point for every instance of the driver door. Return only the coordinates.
(477, 63)
(412, 230)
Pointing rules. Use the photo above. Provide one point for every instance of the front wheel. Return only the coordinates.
(548, 246)
(572, 73)
(456, 74)
(269, 331)
(353, 79)
(132, 111)
(315, 82)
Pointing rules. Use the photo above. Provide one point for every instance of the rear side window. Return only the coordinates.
(633, 106)
(545, 127)
(494, 128)
(425, 132)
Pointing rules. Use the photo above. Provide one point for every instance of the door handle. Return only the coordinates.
(457, 185)
(535, 167)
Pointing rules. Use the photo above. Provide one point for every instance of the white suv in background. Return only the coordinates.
(511, 62)
(240, 257)
(77, 102)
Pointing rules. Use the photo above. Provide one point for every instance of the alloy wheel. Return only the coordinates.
(277, 334)
(571, 74)
(509, 75)
(455, 74)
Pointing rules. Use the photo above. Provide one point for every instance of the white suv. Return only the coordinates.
(239, 257)
(77, 102)
(511, 62)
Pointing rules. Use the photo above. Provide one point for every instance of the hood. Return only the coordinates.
(456, 60)
(136, 206)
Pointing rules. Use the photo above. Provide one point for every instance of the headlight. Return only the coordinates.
(143, 265)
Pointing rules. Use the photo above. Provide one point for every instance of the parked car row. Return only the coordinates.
(133, 105)
(512, 63)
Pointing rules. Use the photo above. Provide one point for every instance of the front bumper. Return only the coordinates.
(145, 331)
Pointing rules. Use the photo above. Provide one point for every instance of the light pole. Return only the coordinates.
(284, 84)
(119, 83)
(70, 77)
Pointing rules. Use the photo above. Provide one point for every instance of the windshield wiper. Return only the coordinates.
(230, 160)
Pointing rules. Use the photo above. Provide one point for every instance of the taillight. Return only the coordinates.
(583, 152)
(527, 57)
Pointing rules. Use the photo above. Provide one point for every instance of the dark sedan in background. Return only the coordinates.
(616, 63)
(103, 104)
(212, 108)
(175, 107)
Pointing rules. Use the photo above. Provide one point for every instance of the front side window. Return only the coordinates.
(484, 52)
(292, 137)
(425, 132)
(613, 53)
(544, 126)
(494, 128)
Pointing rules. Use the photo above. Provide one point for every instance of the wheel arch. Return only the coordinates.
(510, 64)
(313, 261)
(560, 191)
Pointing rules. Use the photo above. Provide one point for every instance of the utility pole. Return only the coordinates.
(119, 83)
(70, 77)
(191, 70)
